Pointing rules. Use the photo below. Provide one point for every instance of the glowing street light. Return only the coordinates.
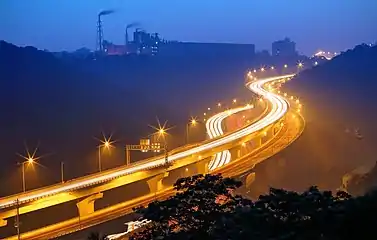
(262, 69)
(30, 159)
(193, 122)
(272, 68)
(105, 143)
(255, 70)
(219, 104)
(285, 65)
(300, 64)
(161, 129)
(316, 63)
(234, 100)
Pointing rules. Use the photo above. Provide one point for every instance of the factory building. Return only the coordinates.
(143, 43)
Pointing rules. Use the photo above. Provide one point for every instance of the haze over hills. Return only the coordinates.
(338, 98)
(63, 103)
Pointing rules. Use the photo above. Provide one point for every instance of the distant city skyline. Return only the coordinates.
(69, 25)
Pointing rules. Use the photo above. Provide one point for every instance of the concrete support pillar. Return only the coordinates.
(257, 141)
(275, 129)
(250, 178)
(86, 206)
(3, 222)
(202, 167)
(235, 152)
(155, 183)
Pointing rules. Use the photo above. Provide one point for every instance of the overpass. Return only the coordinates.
(155, 169)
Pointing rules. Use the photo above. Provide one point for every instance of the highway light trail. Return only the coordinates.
(214, 129)
(279, 108)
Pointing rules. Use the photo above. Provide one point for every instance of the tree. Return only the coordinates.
(95, 236)
(285, 214)
(194, 212)
(206, 207)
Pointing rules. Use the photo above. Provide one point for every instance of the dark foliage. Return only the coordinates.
(95, 236)
(196, 213)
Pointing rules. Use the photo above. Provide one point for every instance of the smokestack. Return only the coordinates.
(100, 30)
(134, 24)
(126, 36)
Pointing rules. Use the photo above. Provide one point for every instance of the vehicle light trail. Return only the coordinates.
(279, 108)
(214, 129)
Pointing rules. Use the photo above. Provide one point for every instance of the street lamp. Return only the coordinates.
(105, 143)
(285, 65)
(234, 100)
(30, 159)
(193, 123)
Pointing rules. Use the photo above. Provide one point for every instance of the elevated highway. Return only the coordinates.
(155, 169)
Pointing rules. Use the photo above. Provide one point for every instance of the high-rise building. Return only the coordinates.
(285, 48)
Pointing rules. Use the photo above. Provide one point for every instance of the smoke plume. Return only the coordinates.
(134, 24)
(106, 12)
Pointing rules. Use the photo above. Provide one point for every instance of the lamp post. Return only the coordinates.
(105, 144)
(62, 171)
(29, 160)
(17, 223)
(193, 123)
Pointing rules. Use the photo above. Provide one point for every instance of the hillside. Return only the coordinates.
(338, 98)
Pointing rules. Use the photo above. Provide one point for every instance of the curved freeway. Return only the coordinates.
(279, 106)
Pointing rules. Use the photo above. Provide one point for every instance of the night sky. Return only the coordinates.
(333, 25)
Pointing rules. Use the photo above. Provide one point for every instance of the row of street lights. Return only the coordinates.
(299, 65)
(107, 143)
(31, 159)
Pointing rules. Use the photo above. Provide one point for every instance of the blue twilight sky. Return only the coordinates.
(332, 25)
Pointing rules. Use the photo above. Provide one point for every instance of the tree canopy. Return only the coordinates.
(206, 207)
